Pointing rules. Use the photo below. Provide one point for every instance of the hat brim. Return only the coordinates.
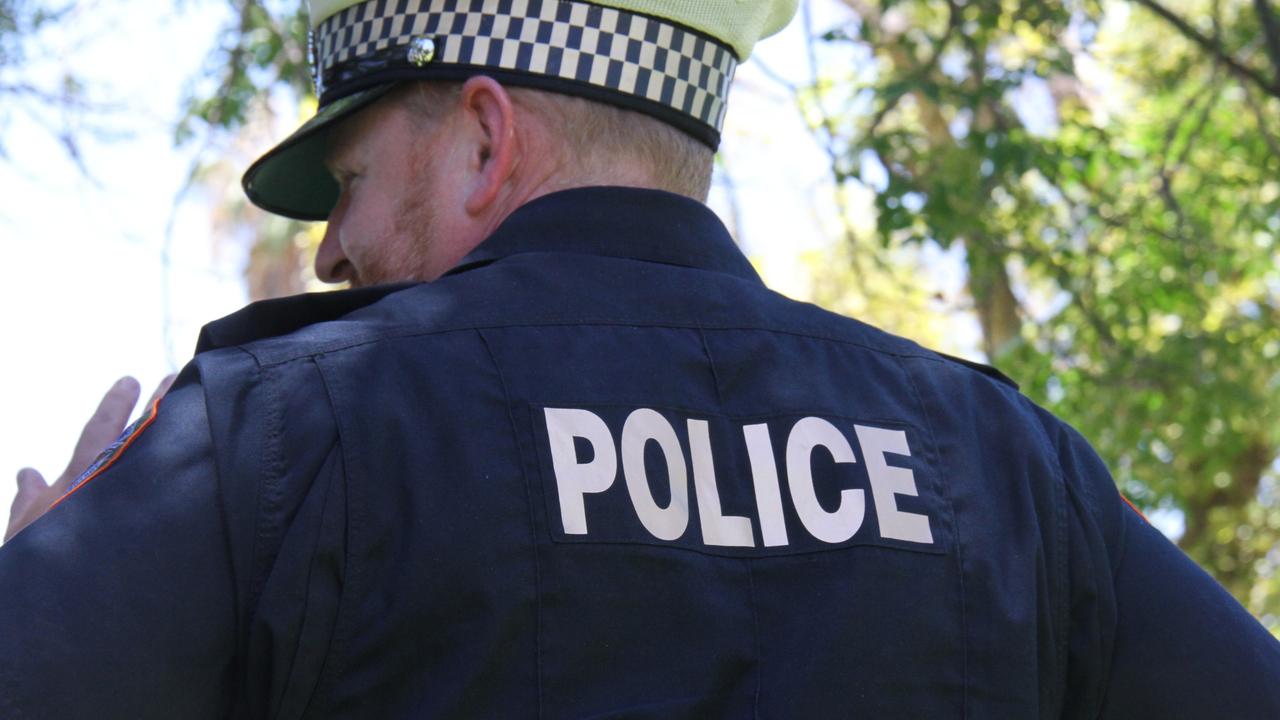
(291, 178)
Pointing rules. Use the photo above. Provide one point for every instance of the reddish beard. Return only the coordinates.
(403, 255)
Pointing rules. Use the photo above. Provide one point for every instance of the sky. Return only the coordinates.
(113, 279)
(86, 304)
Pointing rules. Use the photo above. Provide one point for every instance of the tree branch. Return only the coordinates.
(1271, 30)
(61, 99)
(1213, 47)
(922, 72)
(865, 11)
(827, 123)
(775, 76)
(1170, 166)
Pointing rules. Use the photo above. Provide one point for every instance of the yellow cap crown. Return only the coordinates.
(737, 23)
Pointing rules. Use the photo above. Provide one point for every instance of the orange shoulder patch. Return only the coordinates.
(108, 457)
(1133, 507)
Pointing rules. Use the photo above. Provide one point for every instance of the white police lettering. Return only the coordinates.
(808, 441)
(574, 479)
(887, 482)
(717, 529)
(643, 425)
(832, 527)
(764, 475)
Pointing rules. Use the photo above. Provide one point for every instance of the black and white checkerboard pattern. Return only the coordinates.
(604, 47)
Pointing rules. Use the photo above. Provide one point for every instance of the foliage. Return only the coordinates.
(261, 50)
(1112, 176)
(880, 284)
(258, 64)
(22, 27)
(20, 19)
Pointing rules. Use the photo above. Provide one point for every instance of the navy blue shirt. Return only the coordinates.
(600, 471)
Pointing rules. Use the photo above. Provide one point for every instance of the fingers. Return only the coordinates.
(108, 421)
(32, 492)
(162, 388)
(30, 481)
(104, 426)
(32, 489)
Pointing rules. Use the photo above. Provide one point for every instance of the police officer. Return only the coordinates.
(595, 469)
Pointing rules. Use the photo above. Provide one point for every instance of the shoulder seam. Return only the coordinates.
(489, 324)
(988, 370)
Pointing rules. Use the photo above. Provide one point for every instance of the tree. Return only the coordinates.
(60, 103)
(258, 65)
(1111, 174)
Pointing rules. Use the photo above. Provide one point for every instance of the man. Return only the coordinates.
(594, 469)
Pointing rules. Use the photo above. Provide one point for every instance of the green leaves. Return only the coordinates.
(1137, 232)
(263, 49)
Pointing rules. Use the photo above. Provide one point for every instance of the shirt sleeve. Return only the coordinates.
(120, 601)
(1154, 634)
(1184, 647)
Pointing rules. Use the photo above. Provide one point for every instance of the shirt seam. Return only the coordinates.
(755, 635)
(343, 620)
(291, 678)
(1062, 604)
(341, 345)
(272, 469)
(711, 363)
(533, 530)
(959, 546)
(1104, 680)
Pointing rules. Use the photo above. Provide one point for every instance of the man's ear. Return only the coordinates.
(487, 107)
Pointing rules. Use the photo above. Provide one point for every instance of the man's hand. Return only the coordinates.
(108, 421)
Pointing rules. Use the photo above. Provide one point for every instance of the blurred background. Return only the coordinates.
(1084, 193)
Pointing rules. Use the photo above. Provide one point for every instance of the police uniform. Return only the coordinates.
(600, 471)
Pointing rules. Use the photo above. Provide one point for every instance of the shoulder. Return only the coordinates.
(987, 370)
(314, 319)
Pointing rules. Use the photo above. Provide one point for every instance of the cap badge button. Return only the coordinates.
(422, 50)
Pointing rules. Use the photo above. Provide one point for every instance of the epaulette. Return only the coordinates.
(281, 316)
(984, 369)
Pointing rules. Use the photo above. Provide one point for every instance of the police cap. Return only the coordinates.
(670, 59)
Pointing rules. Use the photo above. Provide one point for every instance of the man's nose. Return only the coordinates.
(332, 265)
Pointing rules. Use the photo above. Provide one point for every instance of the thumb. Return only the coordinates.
(30, 481)
(31, 492)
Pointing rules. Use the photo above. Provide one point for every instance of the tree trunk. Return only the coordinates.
(993, 298)
(1199, 541)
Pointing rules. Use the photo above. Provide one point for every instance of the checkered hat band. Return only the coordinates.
(608, 49)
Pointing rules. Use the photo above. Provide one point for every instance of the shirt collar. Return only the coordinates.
(629, 223)
(633, 223)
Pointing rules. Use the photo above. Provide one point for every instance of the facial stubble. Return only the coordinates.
(405, 253)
